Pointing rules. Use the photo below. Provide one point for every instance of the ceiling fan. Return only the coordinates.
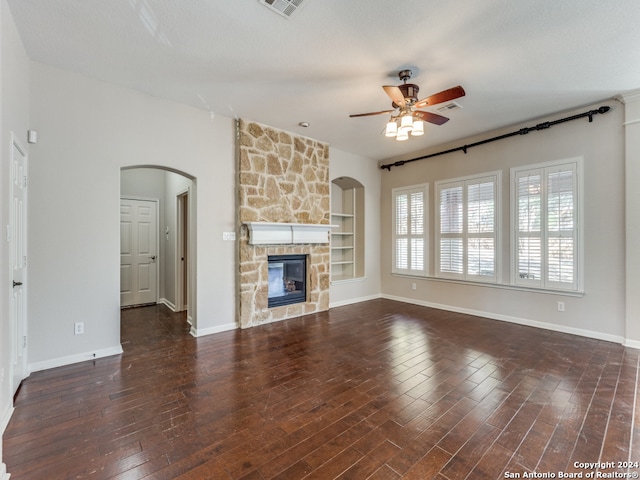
(405, 116)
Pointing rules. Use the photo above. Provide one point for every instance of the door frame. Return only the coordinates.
(182, 283)
(15, 342)
(157, 232)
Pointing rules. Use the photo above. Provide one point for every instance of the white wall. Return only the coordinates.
(14, 98)
(88, 131)
(600, 312)
(342, 164)
(632, 214)
(143, 182)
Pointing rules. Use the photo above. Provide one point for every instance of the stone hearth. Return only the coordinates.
(282, 178)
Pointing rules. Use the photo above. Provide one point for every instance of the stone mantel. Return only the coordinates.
(278, 233)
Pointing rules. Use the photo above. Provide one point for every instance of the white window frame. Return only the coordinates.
(576, 233)
(424, 236)
(464, 182)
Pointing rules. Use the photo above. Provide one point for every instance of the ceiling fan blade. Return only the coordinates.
(444, 96)
(431, 117)
(371, 113)
(395, 94)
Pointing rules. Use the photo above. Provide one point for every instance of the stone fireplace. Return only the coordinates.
(283, 182)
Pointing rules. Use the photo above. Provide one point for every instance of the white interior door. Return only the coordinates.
(138, 252)
(18, 253)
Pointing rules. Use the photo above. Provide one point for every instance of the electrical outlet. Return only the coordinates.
(561, 306)
(413, 286)
(79, 328)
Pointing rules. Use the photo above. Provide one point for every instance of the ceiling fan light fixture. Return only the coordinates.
(392, 129)
(418, 128)
(403, 135)
(406, 122)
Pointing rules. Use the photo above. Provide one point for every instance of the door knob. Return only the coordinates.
(152, 257)
(16, 284)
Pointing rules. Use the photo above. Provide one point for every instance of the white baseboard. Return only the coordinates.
(166, 302)
(4, 421)
(354, 300)
(201, 332)
(3, 472)
(631, 343)
(517, 320)
(6, 416)
(80, 357)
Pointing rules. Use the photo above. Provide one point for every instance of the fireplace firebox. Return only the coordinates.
(287, 279)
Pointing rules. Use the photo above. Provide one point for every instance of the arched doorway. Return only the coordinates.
(174, 193)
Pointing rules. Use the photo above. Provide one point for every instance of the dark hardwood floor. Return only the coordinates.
(379, 390)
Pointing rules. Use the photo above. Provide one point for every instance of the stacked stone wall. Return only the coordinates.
(282, 178)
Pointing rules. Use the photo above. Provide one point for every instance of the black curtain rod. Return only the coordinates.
(522, 131)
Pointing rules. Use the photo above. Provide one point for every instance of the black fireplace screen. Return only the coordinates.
(287, 279)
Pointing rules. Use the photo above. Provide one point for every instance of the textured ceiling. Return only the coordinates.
(517, 60)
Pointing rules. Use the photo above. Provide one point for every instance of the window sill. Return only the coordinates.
(502, 286)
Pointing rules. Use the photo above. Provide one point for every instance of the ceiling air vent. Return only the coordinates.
(286, 8)
(447, 107)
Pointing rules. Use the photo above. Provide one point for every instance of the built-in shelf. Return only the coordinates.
(344, 279)
(347, 200)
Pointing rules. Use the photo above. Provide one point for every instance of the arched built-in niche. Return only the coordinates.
(347, 238)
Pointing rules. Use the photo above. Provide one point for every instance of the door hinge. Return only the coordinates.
(24, 261)
(24, 182)
(24, 341)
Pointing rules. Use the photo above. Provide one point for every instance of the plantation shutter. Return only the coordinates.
(546, 237)
(467, 228)
(451, 229)
(481, 229)
(529, 232)
(561, 231)
(409, 231)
